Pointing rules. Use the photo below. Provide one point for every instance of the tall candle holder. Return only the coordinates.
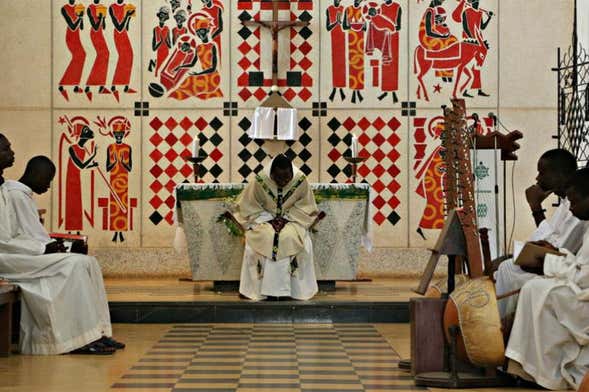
(196, 161)
(354, 161)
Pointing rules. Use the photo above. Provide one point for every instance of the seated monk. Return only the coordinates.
(561, 230)
(550, 335)
(64, 306)
(277, 210)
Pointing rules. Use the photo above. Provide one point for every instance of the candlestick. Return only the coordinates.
(354, 161)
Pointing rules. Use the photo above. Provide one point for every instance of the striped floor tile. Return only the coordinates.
(268, 357)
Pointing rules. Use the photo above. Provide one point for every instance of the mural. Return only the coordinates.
(455, 55)
(364, 35)
(102, 76)
(88, 189)
(187, 51)
(377, 69)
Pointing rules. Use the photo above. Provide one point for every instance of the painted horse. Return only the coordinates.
(456, 56)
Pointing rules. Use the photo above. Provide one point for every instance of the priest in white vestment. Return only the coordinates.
(64, 305)
(277, 209)
(561, 230)
(550, 334)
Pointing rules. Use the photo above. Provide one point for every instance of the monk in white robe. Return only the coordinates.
(277, 209)
(64, 306)
(550, 334)
(561, 230)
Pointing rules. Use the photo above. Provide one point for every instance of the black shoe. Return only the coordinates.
(110, 342)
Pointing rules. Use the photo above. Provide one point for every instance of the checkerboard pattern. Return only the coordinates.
(254, 84)
(170, 141)
(269, 357)
(251, 154)
(378, 140)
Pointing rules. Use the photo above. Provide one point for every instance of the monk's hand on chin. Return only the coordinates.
(535, 195)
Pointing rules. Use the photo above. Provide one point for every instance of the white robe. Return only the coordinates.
(64, 305)
(562, 230)
(550, 334)
(260, 275)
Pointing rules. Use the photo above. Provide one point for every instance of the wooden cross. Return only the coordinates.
(275, 26)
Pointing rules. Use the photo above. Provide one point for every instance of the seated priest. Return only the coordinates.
(64, 305)
(277, 209)
(562, 229)
(550, 335)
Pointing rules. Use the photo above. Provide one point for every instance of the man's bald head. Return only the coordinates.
(6, 153)
(38, 174)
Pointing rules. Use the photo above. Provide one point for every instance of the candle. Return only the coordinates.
(354, 146)
(195, 147)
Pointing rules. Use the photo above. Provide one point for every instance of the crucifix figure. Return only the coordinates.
(275, 26)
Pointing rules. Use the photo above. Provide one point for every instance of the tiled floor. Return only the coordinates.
(270, 357)
(228, 357)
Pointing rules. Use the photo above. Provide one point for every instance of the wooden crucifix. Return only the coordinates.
(275, 26)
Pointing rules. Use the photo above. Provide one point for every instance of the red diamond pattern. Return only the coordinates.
(186, 124)
(173, 167)
(376, 135)
(171, 123)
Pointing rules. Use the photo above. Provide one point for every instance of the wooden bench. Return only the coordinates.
(8, 296)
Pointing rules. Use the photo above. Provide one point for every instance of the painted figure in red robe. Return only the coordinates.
(119, 163)
(389, 67)
(74, 18)
(355, 24)
(334, 16)
(180, 29)
(471, 16)
(161, 41)
(97, 77)
(203, 84)
(384, 22)
(214, 8)
(431, 176)
(80, 157)
(121, 14)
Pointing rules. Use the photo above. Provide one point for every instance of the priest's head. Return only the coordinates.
(281, 170)
(38, 174)
(555, 169)
(578, 194)
(6, 153)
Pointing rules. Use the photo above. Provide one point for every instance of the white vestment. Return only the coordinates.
(550, 334)
(562, 230)
(64, 305)
(284, 268)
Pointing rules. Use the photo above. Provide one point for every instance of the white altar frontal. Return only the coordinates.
(215, 250)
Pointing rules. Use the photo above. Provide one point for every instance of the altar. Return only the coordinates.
(215, 252)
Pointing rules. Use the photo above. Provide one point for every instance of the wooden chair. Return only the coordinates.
(8, 296)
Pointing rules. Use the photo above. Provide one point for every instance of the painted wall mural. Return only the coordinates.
(136, 81)
(95, 163)
(96, 21)
(187, 52)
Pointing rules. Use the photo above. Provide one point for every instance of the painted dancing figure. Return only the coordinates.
(121, 14)
(97, 77)
(74, 18)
